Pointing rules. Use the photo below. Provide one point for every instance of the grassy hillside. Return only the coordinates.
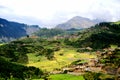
(118, 22)
(100, 36)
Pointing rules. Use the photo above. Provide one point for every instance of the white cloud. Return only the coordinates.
(51, 12)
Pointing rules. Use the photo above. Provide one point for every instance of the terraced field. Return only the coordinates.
(62, 58)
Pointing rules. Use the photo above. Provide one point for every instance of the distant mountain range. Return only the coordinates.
(78, 23)
(12, 30)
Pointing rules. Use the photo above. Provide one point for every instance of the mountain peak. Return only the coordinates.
(79, 17)
(77, 22)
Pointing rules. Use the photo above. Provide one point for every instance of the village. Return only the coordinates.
(80, 66)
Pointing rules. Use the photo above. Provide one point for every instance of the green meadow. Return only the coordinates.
(65, 77)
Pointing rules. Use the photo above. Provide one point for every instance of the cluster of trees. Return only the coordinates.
(14, 51)
(48, 33)
(14, 71)
(92, 76)
(100, 36)
(110, 34)
(40, 47)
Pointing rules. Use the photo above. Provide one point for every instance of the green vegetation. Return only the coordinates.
(37, 58)
(50, 33)
(14, 52)
(47, 33)
(65, 77)
(13, 71)
(68, 56)
(1, 44)
(118, 22)
(78, 62)
(10, 30)
(92, 76)
(98, 37)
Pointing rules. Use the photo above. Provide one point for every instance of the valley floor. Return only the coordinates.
(62, 58)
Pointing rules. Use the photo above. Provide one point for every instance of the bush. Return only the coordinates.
(91, 76)
(65, 71)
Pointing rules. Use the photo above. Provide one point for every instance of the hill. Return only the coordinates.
(54, 32)
(78, 23)
(101, 35)
(12, 30)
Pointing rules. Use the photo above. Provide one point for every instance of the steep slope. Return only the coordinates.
(78, 23)
(11, 30)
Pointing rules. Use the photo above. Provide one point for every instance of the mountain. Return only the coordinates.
(78, 23)
(12, 30)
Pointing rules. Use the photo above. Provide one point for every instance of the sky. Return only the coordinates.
(49, 13)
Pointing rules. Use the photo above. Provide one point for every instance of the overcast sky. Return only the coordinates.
(51, 12)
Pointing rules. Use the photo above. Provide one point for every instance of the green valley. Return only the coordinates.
(88, 54)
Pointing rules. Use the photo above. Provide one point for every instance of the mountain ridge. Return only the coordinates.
(12, 30)
(78, 22)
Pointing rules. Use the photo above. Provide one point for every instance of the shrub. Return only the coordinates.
(92, 76)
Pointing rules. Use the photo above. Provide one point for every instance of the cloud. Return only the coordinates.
(52, 12)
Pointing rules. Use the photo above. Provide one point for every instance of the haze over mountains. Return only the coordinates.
(12, 30)
(78, 23)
